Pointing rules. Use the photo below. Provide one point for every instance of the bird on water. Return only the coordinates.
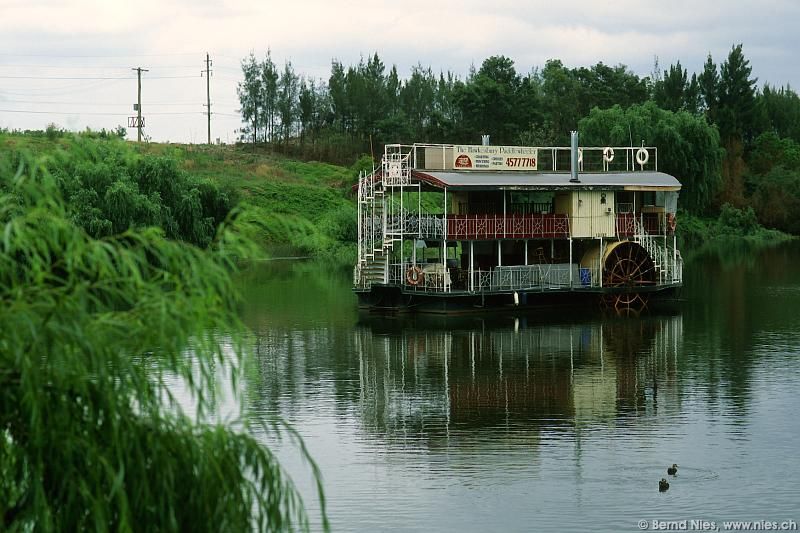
(672, 470)
(663, 485)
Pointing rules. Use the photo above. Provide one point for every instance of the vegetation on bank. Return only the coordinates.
(731, 224)
(297, 208)
(93, 333)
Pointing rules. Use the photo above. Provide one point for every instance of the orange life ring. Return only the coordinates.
(414, 275)
(671, 222)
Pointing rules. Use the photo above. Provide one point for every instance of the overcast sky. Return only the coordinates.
(50, 49)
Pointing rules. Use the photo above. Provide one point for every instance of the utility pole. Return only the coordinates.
(208, 94)
(139, 71)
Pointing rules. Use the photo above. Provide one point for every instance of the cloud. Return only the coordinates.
(447, 35)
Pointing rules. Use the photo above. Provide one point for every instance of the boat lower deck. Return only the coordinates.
(398, 298)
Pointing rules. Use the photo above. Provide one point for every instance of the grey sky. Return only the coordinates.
(59, 40)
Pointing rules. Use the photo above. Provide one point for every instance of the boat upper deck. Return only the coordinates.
(488, 180)
(479, 167)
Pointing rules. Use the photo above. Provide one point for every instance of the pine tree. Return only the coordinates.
(249, 92)
(709, 89)
(735, 118)
(269, 95)
(737, 96)
(287, 101)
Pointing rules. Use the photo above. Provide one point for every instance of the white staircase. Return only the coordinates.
(375, 238)
(666, 262)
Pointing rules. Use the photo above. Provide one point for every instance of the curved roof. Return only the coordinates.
(636, 181)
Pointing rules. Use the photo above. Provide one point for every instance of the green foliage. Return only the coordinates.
(109, 189)
(490, 101)
(92, 334)
(736, 96)
(676, 91)
(781, 111)
(364, 163)
(688, 147)
(776, 198)
(732, 224)
(770, 150)
(738, 221)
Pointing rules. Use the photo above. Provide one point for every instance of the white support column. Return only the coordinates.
(570, 262)
(600, 263)
(504, 213)
(499, 253)
(402, 221)
(360, 221)
(419, 209)
(674, 257)
(444, 265)
(471, 266)
(445, 214)
(526, 252)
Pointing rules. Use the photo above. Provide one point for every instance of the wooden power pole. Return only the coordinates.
(208, 94)
(139, 71)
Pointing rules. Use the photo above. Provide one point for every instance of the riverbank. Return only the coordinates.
(732, 224)
(301, 208)
(298, 208)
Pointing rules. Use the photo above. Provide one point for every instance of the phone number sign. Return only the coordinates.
(478, 157)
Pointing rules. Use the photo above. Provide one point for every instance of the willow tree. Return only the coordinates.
(688, 147)
(91, 331)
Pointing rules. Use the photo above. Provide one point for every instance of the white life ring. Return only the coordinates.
(642, 156)
(608, 154)
(414, 276)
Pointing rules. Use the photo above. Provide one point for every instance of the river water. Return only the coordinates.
(554, 422)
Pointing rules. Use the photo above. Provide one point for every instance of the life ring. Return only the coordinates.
(414, 276)
(671, 222)
(608, 154)
(642, 156)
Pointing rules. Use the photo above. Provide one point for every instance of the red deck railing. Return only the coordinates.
(546, 226)
(543, 226)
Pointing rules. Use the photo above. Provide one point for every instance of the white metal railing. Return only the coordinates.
(423, 225)
(396, 168)
(667, 259)
(436, 278)
(550, 158)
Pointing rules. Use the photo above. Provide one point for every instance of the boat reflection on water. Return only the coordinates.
(434, 377)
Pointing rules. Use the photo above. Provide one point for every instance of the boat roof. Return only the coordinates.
(487, 180)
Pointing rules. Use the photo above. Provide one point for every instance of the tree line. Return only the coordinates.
(717, 129)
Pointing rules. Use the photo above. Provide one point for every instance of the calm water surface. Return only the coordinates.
(541, 421)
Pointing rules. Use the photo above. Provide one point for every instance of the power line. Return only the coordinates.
(89, 77)
(99, 67)
(6, 54)
(25, 111)
(51, 102)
